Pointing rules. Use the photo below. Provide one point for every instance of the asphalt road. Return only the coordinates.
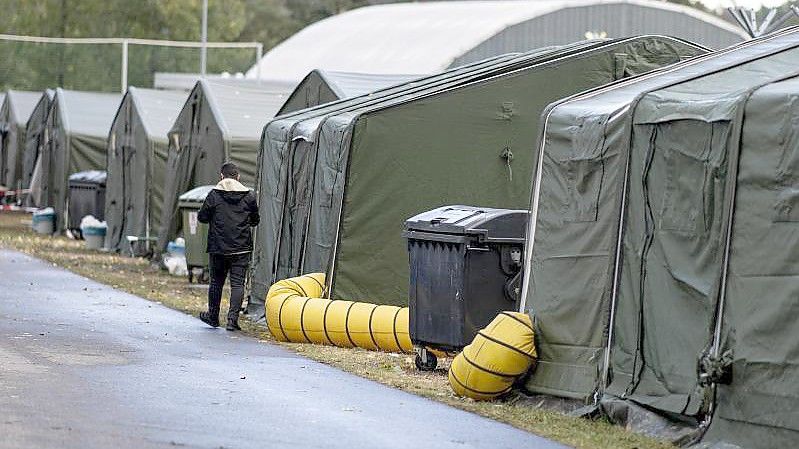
(85, 366)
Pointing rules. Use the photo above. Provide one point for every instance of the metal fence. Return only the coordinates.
(110, 64)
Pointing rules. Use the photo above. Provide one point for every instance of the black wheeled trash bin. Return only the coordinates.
(465, 268)
(86, 197)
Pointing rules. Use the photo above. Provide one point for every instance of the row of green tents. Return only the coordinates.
(140, 137)
(659, 264)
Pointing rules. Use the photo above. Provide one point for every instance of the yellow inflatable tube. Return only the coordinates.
(499, 354)
(296, 312)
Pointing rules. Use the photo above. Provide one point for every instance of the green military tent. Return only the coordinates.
(648, 279)
(34, 141)
(325, 86)
(136, 163)
(77, 129)
(460, 143)
(284, 177)
(220, 121)
(14, 114)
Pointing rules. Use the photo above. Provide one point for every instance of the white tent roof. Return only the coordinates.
(158, 109)
(416, 37)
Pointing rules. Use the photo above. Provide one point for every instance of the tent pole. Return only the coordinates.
(124, 76)
(204, 39)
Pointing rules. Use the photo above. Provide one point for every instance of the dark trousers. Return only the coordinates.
(221, 264)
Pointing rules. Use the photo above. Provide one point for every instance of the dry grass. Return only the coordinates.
(138, 277)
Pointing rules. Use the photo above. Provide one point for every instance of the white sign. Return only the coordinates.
(193, 223)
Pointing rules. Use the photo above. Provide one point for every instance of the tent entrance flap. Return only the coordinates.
(672, 253)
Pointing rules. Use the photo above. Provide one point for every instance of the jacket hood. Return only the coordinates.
(231, 185)
(231, 190)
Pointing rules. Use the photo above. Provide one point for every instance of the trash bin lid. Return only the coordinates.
(196, 195)
(89, 176)
(488, 224)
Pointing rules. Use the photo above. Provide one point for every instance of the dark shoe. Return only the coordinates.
(209, 320)
(232, 325)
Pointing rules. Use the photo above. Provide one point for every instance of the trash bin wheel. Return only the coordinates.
(204, 277)
(430, 365)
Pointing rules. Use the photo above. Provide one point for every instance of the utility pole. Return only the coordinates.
(62, 55)
(204, 39)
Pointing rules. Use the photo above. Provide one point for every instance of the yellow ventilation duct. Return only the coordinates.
(296, 312)
(499, 354)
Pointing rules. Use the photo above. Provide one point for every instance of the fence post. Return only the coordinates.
(204, 39)
(259, 52)
(124, 65)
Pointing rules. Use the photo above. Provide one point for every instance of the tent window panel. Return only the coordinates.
(786, 206)
(695, 173)
(585, 169)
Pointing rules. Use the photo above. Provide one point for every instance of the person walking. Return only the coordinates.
(230, 210)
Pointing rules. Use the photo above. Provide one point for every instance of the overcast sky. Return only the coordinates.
(748, 3)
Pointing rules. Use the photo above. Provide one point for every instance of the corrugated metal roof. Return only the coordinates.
(419, 37)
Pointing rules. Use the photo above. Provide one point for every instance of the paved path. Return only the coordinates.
(85, 366)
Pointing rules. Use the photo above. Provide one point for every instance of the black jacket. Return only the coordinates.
(230, 210)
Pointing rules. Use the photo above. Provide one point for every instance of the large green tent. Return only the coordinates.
(469, 143)
(284, 177)
(34, 141)
(220, 121)
(627, 267)
(137, 154)
(14, 114)
(325, 86)
(77, 129)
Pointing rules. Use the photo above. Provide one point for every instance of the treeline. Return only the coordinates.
(98, 67)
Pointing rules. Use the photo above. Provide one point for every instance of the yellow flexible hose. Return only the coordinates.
(295, 312)
(498, 355)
